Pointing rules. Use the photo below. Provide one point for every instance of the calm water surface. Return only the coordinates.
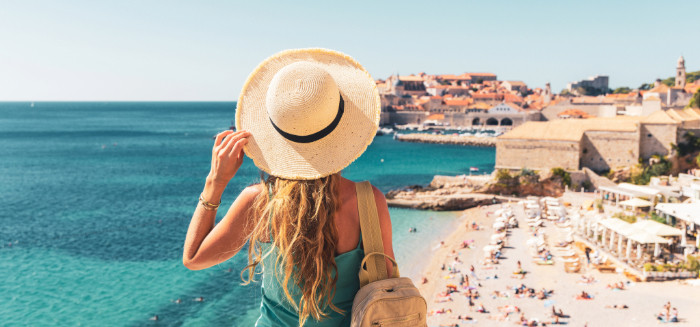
(95, 200)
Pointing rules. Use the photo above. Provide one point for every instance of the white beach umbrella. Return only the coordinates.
(490, 248)
(498, 225)
(569, 238)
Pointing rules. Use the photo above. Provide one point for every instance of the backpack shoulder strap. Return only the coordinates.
(371, 235)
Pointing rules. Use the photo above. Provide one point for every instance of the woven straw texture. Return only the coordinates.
(278, 156)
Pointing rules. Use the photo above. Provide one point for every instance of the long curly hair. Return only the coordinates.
(297, 217)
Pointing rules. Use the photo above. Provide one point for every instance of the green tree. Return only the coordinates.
(646, 86)
(695, 100)
(671, 81)
(623, 89)
(503, 175)
(660, 168)
(563, 174)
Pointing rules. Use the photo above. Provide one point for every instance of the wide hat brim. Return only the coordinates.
(278, 156)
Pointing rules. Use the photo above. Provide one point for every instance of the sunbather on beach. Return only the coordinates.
(584, 296)
(472, 272)
(587, 280)
(439, 312)
(617, 306)
(617, 286)
(556, 313)
(508, 309)
(674, 315)
(541, 295)
(462, 317)
(443, 300)
(502, 317)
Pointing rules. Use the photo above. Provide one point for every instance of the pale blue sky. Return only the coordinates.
(204, 50)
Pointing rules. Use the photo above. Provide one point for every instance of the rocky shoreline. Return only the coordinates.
(447, 139)
(445, 193)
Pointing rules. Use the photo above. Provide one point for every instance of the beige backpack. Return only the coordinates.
(382, 301)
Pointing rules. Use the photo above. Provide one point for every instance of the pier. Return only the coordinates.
(447, 139)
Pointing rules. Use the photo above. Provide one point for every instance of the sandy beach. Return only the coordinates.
(643, 300)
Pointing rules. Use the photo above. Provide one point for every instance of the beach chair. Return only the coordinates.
(568, 254)
(605, 267)
(632, 276)
(572, 265)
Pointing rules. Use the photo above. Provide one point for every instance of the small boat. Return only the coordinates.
(473, 169)
(384, 131)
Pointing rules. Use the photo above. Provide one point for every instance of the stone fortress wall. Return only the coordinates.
(604, 150)
(656, 139)
(537, 154)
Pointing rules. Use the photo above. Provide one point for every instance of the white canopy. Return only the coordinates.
(617, 225)
(689, 212)
(636, 203)
(643, 237)
(657, 228)
(635, 232)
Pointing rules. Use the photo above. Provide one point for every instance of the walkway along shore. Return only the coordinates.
(447, 139)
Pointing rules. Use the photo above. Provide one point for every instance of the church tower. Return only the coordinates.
(680, 73)
(547, 94)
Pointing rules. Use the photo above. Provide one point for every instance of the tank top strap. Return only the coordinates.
(269, 216)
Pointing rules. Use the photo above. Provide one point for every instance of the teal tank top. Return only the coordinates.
(275, 310)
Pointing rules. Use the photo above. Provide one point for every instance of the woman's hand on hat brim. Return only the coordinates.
(227, 156)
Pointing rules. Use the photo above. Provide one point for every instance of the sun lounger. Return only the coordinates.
(605, 268)
(572, 265)
(632, 276)
(568, 254)
(543, 262)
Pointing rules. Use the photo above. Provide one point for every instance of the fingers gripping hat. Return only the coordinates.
(310, 112)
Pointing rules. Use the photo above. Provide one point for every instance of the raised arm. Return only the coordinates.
(206, 244)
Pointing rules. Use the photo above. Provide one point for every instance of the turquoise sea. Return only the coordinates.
(95, 200)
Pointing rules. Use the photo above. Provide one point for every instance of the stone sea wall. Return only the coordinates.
(448, 139)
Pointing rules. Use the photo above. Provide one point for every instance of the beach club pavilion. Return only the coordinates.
(685, 214)
(633, 244)
(625, 192)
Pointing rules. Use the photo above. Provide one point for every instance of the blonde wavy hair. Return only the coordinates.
(297, 216)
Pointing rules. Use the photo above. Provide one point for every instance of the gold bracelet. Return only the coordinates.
(207, 205)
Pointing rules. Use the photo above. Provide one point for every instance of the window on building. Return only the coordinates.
(649, 135)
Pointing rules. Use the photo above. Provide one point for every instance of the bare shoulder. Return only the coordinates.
(382, 208)
(251, 192)
(379, 197)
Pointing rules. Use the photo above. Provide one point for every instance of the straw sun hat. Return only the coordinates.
(310, 112)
